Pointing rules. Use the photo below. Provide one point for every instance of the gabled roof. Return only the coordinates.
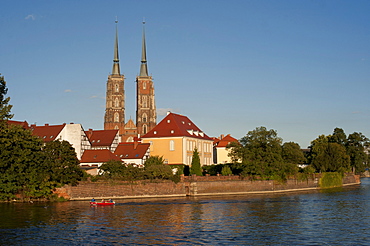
(47, 133)
(101, 137)
(23, 124)
(224, 141)
(132, 150)
(175, 125)
(130, 124)
(98, 156)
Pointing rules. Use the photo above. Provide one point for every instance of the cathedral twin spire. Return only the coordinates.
(115, 105)
(143, 68)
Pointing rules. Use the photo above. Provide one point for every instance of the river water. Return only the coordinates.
(330, 217)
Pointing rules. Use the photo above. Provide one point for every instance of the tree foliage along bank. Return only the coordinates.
(30, 169)
(154, 169)
(261, 154)
(340, 153)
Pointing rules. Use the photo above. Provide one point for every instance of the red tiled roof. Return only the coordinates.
(101, 137)
(23, 124)
(223, 142)
(131, 150)
(175, 125)
(98, 156)
(47, 133)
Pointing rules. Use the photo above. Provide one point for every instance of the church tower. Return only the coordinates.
(146, 118)
(115, 98)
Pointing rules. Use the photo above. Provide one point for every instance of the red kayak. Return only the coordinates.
(102, 203)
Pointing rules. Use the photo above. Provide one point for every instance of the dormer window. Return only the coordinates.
(155, 132)
(172, 131)
(168, 121)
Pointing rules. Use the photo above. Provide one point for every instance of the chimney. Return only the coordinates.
(89, 133)
(46, 124)
(136, 144)
(222, 136)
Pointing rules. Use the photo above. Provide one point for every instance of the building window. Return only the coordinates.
(145, 129)
(144, 118)
(116, 117)
(145, 104)
(172, 145)
(117, 88)
(144, 85)
(116, 103)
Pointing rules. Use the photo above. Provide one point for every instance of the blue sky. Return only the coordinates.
(301, 68)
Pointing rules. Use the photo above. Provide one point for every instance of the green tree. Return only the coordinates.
(195, 164)
(61, 160)
(20, 159)
(328, 156)
(238, 156)
(356, 144)
(155, 168)
(5, 107)
(338, 136)
(113, 169)
(263, 153)
(226, 170)
(292, 153)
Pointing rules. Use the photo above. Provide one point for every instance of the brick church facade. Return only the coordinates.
(115, 99)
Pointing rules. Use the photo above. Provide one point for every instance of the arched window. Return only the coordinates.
(144, 129)
(144, 118)
(117, 88)
(144, 85)
(145, 103)
(116, 117)
(116, 103)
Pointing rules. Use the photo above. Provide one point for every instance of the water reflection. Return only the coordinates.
(333, 217)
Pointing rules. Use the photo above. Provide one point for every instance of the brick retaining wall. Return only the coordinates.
(189, 186)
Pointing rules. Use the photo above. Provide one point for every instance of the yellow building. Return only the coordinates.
(176, 137)
(220, 152)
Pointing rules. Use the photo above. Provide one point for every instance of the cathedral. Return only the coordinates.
(115, 99)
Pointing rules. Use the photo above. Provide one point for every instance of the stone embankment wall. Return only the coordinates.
(189, 186)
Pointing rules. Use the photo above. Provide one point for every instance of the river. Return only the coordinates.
(330, 217)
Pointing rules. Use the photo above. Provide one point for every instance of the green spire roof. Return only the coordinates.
(144, 67)
(116, 69)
